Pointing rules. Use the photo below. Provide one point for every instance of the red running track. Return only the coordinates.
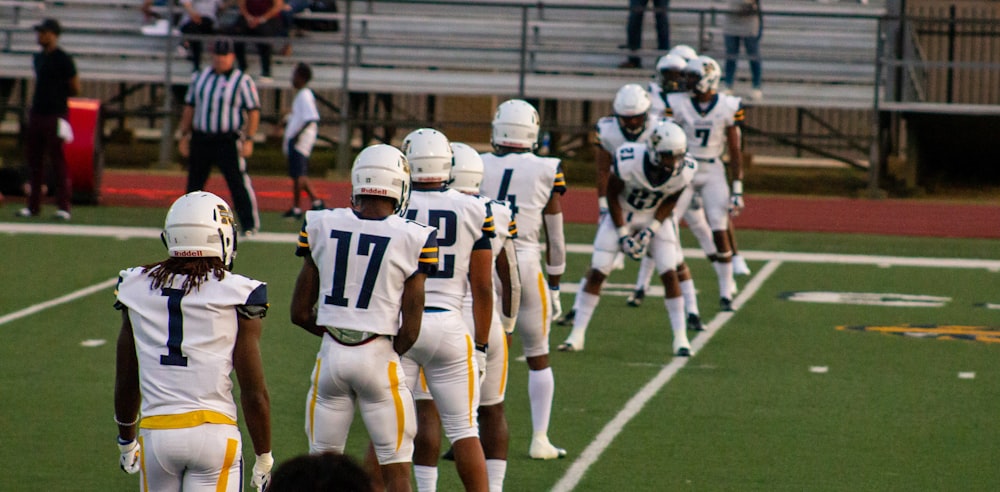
(780, 213)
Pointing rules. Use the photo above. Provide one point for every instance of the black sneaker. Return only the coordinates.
(294, 213)
(725, 304)
(319, 205)
(635, 298)
(567, 319)
(694, 322)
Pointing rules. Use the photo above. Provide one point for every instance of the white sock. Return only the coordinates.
(541, 389)
(646, 268)
(496, 470)
(690, 296)
(675, 310)
(724, 271)
(585, 304)
(427, 478)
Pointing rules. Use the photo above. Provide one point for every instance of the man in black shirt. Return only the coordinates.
(56, 81)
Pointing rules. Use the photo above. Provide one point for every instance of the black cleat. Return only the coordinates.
(725, 304)
(635, 298)
(319, 205)
(567, 319)
(449, 455)
(694, 322)
(683, 352)
(293, 213)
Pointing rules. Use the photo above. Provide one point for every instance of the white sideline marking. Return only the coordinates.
(291, 238)
(819, 369)
(593, 452)
(72, 296)
(967, 375)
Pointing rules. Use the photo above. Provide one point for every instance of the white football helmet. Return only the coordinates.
(429, 154)
(630, 107)
(670, 72)
(631, 100)
(516, 125)
(684, 51)
(667, 138)
(467, 175)
(382, 170)
(703, 74)
(200, 224)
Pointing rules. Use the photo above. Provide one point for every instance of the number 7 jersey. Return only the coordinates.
(705, 123)
(363, 265)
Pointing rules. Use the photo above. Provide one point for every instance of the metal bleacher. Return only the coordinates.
(818, 56)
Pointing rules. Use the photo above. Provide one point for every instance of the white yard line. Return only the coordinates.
(593, 452)
(72, 296)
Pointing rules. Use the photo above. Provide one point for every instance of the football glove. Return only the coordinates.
(644, 236)
(262, 470)
(628, 244)
(480, 355)
(129, 459)
(556, 302)
(736, 204)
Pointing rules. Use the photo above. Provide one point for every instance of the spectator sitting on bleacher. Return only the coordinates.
(260, 18)
(199, 18)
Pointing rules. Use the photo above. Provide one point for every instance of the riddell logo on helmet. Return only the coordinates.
(188, 253)
(372, 191)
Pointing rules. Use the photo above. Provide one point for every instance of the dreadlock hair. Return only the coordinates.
(197, 271)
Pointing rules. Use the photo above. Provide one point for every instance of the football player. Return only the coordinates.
(647, 181)
(533, 185)
(466, 177)
(187, 323)
(361, 288)
(449, 357)
(712, 124)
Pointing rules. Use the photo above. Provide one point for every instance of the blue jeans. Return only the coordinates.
(635, 14)
(752, 45)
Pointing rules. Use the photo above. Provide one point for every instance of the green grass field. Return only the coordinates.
(751, 410)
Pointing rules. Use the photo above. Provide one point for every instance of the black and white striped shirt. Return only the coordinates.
(220, 101)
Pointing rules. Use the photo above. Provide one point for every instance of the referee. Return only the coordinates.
(219, 101)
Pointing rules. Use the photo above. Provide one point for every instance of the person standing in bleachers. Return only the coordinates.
(261, 18)
(56, 80)
(634, 29)
(220, 118)
(743, 24)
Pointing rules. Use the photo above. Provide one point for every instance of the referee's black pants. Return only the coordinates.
(223, 150)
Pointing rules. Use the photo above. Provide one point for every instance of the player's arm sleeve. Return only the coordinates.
(302, 246)
(559, 182)
(256, 304)
(556, 258)
(489, 230)
(428, 263)
(510, 281)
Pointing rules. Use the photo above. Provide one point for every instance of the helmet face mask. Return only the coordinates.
(467, 175)
(382, 170)
(703, 75)
(429, 154)
(515, 125)
(630, 106)
(199, 225)
(667, 145)
(670, 70)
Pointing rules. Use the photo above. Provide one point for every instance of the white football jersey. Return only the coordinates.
(527, 181)
(363, 264)
(610, 135)
(185, 341)
(464, 223)
(705, 124)
(640, 196)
